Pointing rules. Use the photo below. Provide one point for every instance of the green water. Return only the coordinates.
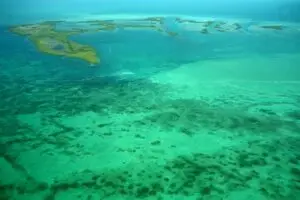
(195, 117)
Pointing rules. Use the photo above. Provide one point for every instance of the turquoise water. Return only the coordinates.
(196, 117)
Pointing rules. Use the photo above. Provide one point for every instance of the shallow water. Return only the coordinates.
(195, 117)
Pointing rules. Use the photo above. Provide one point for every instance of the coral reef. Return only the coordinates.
(208, 26)
(256, 163)
(227, 27)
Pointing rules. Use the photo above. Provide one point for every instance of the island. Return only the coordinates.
(49, 40)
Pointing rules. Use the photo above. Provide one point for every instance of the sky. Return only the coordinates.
(16, 10)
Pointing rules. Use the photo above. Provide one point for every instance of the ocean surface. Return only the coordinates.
(192, 117)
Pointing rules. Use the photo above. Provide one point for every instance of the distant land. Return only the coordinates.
(49, 39)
